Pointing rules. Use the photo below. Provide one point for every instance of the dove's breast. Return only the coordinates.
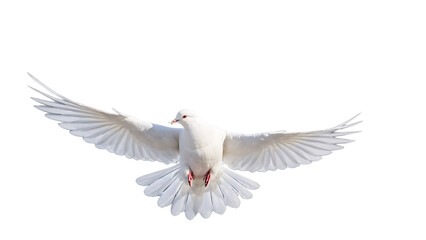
(201, 148)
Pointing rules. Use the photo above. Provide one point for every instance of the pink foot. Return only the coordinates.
(206, 179)
(190, 178)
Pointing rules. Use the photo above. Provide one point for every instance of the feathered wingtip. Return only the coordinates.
(345, 125)
(348, 123)
(45, 87)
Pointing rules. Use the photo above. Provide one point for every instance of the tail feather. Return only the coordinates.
(148, 179)
(178, 203)
(173, 190)
(241, 190)
(190, 208)
(169, 194)
(206, 207)
(230, 196)
(248, 183)
(157, 188)
(218, 203)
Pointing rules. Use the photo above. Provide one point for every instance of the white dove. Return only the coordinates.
(199, 180)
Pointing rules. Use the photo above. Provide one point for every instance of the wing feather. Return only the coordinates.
(278, 150)
(117, 133)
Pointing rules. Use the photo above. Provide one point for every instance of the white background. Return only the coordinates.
(245, 66)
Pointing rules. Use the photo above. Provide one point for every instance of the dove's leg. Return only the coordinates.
(206, 179)
(190, 178)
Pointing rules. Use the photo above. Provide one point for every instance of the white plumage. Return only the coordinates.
(200, 180)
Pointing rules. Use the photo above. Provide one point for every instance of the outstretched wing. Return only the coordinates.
(120, 134)
(279, 150)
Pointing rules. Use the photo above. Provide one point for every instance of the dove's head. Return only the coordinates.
(184, 117)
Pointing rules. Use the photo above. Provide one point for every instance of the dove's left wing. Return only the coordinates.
(117, 133)
(279, 150)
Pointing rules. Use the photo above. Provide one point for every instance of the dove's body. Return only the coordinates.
(199, 182)
(199, 153)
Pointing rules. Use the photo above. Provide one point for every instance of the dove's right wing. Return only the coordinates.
(117, 133)
(278, 150)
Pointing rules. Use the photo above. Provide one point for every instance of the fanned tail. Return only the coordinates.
(172, 188)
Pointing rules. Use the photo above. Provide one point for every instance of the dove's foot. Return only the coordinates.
(190, 178)
(206, 179)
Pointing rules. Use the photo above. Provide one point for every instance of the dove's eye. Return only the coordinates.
(184, 116)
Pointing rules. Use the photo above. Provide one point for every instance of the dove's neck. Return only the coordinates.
(201, 133)
(195, 127)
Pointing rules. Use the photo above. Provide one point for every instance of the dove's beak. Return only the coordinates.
(174, 121)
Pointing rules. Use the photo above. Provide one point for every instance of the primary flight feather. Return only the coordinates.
(200, 180)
